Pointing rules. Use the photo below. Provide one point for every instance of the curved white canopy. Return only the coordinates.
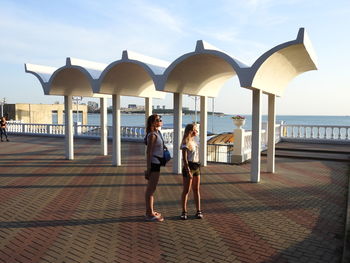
(273, 70)
(202, 72)
(76, 78)
(133, 75)
(42, 73)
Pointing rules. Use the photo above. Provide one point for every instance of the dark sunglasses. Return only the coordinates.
(159, 119)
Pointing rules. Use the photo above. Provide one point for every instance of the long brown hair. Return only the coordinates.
(186, 138)
(151, 119)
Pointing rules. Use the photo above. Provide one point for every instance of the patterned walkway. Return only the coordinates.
(85, 210)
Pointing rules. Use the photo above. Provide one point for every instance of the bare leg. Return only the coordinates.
(151, 188)
(187, 181)
(196, 194)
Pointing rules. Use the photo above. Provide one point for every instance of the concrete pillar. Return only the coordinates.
(103, 126)
(116, 152)
(68, 128)
(203, 131)
(177, 133)
(256, 137)
(271, 134)
(148, 109)
(238, 149)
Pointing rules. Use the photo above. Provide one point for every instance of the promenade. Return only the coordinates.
(85, 210)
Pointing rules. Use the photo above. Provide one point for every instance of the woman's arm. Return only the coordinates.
(185, 160)
(150, 148)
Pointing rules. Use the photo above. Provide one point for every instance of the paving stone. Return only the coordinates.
(86, 210)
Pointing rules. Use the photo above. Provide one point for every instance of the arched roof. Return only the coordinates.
(202, 72)
(42, 73)
(133, 75)
(71, 81)
(76, 78)
(273, 70)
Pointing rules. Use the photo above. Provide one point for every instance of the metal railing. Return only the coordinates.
(220, 153)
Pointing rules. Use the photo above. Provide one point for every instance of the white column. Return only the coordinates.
(271, 134)
(68, 127)
(103, 126)
(116, 152)
(238, 149)
(256, 137)
(203, 131)
(177, 132)
(148, 109)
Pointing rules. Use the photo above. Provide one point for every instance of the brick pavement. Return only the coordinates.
(85, 210)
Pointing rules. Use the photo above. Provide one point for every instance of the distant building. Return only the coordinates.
(132, 106)
(42, 113)
(163, 107)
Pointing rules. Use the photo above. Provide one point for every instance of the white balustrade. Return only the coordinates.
(315, 133)
(128, 133)
(284, 132)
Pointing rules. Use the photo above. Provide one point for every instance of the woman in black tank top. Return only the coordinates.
(154, 122)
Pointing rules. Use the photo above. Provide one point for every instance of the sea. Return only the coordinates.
(220, 124)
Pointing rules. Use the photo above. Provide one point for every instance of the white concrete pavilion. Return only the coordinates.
(134, 75)
(204, 71)
(201, 73)
(76, 78)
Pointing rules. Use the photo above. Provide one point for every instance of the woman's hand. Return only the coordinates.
(147, 174)
(188, 172)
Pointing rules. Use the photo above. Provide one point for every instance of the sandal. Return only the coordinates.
(184, 216)
(199, 215)
(157, 214)
(154, 219)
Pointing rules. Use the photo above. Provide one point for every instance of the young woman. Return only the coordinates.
(154, 150)
(190, 170)
(3, 128)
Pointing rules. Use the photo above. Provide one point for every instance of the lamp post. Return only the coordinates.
(195, 107)
(77, 100)
(2, 102)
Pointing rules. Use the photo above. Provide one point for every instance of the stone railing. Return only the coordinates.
(129, 133)
(316, 133)
(239, 151)
(32, 129)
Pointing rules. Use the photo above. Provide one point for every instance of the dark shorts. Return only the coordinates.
(195, 172)
(155, 167)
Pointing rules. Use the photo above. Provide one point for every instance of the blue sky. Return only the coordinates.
(46, 32)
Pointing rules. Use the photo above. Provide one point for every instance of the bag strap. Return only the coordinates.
(161, 136)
